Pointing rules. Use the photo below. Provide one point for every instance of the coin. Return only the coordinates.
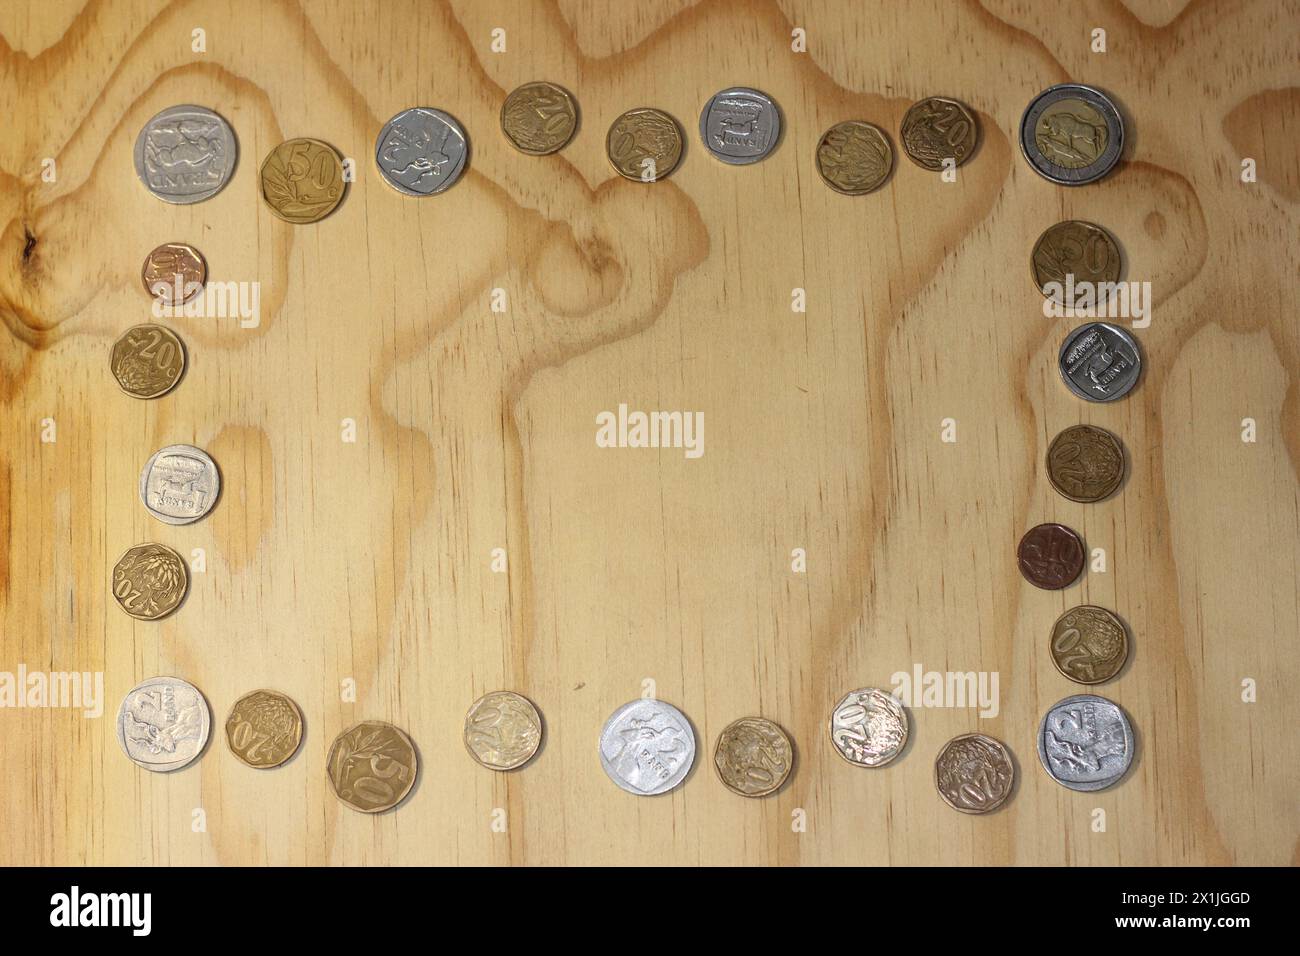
(974, 773)
(1050, 556)
(503, 730)
(264, 729)
(647, 747)
(740, 126)
(1072, 134)
(163, 724)
(539, 118)
(1100, 362)
(174, 272)
(1085, 743)
(937, 128)
(1089, 644)
(150, 581)
(753, 757)
(854, 157)
(421, 151)
(1085, 463)
(147, 361)
(185, 154)
(372, 766)
(644, 145)
(1076, 264)
(302, 180)
(869, 727)
(180, 484)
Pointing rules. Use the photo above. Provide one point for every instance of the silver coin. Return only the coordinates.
(1072, 134)
(163, 724)
(180, 484)
(1100, 362)
(869, 727)
(421, 151)
(1085, 742)
(740, 125)
(185, 154)
(647, 747)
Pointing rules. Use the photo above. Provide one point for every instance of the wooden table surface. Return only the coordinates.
(371, 561)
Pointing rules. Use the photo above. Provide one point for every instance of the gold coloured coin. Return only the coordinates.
(1089, 644)
(302, 180)
(372, 766)
(1085, 463)
(1071, 260)
(174, 272)
(539, 118)
(264, 729)
(644, 145)
(753, 756)
(150, 581)
(936, 129)
(974, 773)
(147, 361)
(1071, 133)
(503, 730)
(854, 157)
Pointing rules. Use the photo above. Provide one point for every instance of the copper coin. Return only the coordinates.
(150, 581)
(147, 361)
(644, 145)
(539, 118)
(1075, 263)
(1050, 556)
(174, 272)
(974, 773)
(1085, 463)
(753, 757)
(302, 180)
(936, 129)
(503, 730)
(372, 766)
(264, 729)
(854, 157)
(1089, 644)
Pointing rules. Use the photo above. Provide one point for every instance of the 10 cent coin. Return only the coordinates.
(185, 154)
(302, 180)
(740, 126)
(264, 729)
(1085, 743)
(974, 773)
(147, 361)
(1089, 644)
(150, 581)
(421, 151)
(753, 756)
(1100, 362)
(163, 724)
(372, 766)
(539, 118)
(1050, 556)
(869, 727)
(1085, 463)
(854, 157)
(1072, 134)
(644, 145)
(503, 730)
(647, 747)
(174, 273)
(936, 129)
(180, 484)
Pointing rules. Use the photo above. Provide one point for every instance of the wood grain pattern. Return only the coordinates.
(371, 561)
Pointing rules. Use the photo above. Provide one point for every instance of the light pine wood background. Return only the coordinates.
(370, 561)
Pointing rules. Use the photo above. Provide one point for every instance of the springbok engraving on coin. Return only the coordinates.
(740, 126)
(869, 727)
(1100, 362)
(180, 484)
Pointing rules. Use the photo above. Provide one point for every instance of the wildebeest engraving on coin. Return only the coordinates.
(854, 157)
(974, 773)
(740, 125)
(644, 145)
(1085, 743)
(150, 581)
(147, 361)
(302, 180)
(163, 724)
(539, 118)
(647, 747)
(1072, 134)
(185, 154)
(421, 151)
(936, 129)
(174, 273)
(1079, 249)
(372, 766)
(503, 730)
(1100, 362)
(1085, 463)
(1050, 556)
(1089, 644)
(180, 484)
(869, 727)
(753, 756)
(264, 729)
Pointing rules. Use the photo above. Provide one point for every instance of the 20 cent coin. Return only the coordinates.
(869, 727)
(264, 729)
(1089, 644)
(539, 118)
(147, 361)
(150, 581)
(1085, 463)
(503, 730)
(644, 145)
(753, 756)
(974, 773)
(854, 157)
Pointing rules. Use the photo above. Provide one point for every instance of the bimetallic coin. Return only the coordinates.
(869, 727)
(185, 154)
(163, 724)
(1050, 556)
(302, 180)
(1085, 743)
(421, 151)
(1085, 463)
(147, 361)
(854, 157)
(644, 145)
(174, 272)
(150, 581)
(1072, 134)
(753, 757)
(372, 766)
(180, 484)
(1089, 644)
(264, 729)
(647, 747)
(503, 730)
(936, 129)
(740, 125)
(974, 773)
(539, 118)
(1100, 362)
(1076, 264)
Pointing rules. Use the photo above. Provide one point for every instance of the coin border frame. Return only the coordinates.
(180, 343)
(1130, 741)
(137, 155)
(1069, 340)
(176, 765)
(541, 732)
(302, 727)
(144, 486)
(415, 777)
(1104, 164)
(1011, 788)
(618, 781)
(785, 777)
(452, 178)
(902, 744)
(1051, 644)
(577, 120)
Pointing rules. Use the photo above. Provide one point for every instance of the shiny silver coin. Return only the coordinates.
(421, 151)
(1072, 134)
(869, 727)
(180, 484)
(1100, 362)
(740, 125)
(163, 724)
(185, 154)
(647, 747)
(1085, 743)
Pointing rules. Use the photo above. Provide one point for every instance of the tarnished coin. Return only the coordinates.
(150, 581)
(180, 484)
(644, 145)
(974, 773)
(503, 730)
(1100, 362)
(1076, 263)
(869, 727)
(740, 125)
(174, 272)
(1089, 644)
(264, 729)
(539, 118)
(1072, 134)
(421, 151)
(753, 756)
(1050, 556)
(185, 154)
(163, 724)
(647, 747)
(1085, 463)
(854, 157)
(372, 766)
(302, 180)
(936, 129)
(147, 361)
(1085, 743)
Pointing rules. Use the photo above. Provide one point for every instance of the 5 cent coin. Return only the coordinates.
(644, 145)
(503, 730)
(163, 724)
(264, 729)
(147, 361)
(854, 157)
(372, 766)
(1089, 644)
(753, 756)
(150, 581)
(1085, 463)
(936, 129)
(1050, 556)
(302, 180)
(539, 118)
(974, 773)
(869, 727)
